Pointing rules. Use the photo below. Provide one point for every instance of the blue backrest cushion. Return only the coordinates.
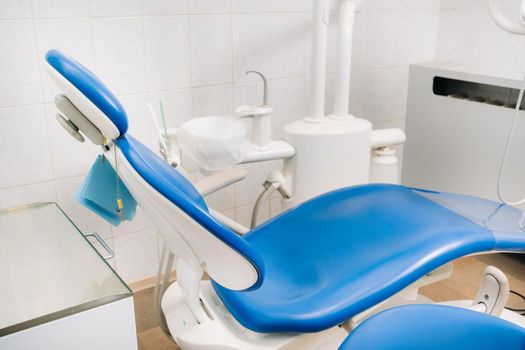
(177, 189)
(157, 172)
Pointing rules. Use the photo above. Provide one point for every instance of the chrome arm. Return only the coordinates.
(102, 243)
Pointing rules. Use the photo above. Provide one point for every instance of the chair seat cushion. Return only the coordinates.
(341, 253)
(435, 327)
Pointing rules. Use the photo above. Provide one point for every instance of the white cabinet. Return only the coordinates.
(456, 137)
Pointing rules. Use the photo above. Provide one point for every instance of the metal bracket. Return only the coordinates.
(494, 292)
(103, 243)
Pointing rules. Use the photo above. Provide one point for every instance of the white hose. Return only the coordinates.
(516, 28)
(507, 149)
(162, 138)
(503, 22)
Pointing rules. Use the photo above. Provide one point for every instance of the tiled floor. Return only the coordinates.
(463, 284)
(150, 336)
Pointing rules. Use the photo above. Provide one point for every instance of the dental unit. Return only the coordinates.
(350, 244)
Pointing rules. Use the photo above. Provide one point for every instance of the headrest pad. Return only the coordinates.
(87, 84)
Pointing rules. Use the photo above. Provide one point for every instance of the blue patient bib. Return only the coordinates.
(99, 193)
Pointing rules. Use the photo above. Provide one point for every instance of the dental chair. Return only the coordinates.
(299, 280)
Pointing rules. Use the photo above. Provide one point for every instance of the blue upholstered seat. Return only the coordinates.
(435, 327)
(339, 254)
(334, 256)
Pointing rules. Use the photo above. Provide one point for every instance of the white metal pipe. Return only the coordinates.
(505, 23)
(387, 137)
(277, 150)
(321, 15)
(522, 13)
(344, 58)
(232, 224)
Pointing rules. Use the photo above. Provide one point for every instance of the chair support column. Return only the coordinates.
(189, 280)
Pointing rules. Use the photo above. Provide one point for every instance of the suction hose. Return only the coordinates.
(268, 189)
(507, 149)
(275, 181)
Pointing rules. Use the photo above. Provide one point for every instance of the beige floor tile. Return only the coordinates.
(154, 339)
(442, 292)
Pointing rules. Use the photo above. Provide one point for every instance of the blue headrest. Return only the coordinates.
(91, 87)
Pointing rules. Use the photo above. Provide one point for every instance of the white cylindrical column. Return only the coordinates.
(344, 59)
(262, 131)
(321, 15)
(329, 155)
(522, 13)
(384, 166)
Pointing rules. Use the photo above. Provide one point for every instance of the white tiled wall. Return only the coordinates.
(468, 36)
(193, 55)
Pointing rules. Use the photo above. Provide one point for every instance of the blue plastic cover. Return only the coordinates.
(434, 327)
(91, 86)
(98, 193)
(343, 252)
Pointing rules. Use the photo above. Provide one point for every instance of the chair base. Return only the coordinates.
(222, 331)
(507, 315)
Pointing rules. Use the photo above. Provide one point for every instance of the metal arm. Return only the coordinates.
(220, 180)
(215, 182)
(265, 85)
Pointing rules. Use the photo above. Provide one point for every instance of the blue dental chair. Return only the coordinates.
(307, 270)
